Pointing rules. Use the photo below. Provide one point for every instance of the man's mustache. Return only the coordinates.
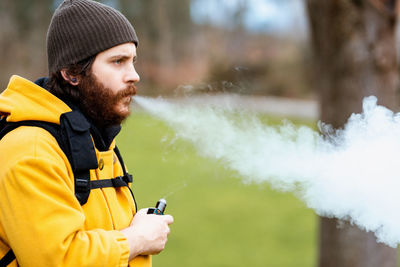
(130, 90)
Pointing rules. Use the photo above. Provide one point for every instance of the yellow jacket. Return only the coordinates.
(40, 217)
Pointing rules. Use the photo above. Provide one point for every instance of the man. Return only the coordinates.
(49, 214)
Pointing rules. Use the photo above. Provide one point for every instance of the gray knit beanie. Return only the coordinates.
(83, 28)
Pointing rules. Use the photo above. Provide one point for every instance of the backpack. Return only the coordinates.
(73, 137)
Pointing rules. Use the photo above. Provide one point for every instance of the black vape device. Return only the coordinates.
(159, 209)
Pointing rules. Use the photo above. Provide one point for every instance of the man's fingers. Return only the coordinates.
(143, 211)
(168, 219)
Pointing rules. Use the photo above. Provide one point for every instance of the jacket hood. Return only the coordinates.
(25, 100)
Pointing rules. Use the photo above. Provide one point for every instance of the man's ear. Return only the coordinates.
(73, 80)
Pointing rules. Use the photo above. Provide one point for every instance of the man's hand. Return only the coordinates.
(147, 234)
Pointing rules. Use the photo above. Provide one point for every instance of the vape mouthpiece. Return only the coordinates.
(159, 209)
(161, 205)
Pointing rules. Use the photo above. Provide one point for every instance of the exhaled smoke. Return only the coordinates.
(351, 174)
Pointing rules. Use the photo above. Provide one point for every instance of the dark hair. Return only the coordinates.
(61, 88)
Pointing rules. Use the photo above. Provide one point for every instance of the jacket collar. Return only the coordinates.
(23, 100)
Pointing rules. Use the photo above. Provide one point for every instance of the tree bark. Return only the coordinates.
(355, 56)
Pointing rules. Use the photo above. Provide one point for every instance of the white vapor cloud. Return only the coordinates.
(351, 174)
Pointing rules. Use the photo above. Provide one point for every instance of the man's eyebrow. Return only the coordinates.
(122, 56)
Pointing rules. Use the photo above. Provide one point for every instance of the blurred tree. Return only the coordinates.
(354, 56)
(23, 37)
(164, 29)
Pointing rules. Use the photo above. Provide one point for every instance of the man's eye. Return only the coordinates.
(117, 61)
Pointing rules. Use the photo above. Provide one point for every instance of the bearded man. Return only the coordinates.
(65, 197)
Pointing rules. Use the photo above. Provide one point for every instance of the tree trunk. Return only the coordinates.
(355, 56)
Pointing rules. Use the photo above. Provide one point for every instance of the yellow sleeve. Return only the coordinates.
(44, 223)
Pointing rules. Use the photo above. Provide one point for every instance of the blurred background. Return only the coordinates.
(252, 47)
(303, 59)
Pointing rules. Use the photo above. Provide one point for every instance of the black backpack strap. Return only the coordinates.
(127, 178)
(52, 128)
(115, 182)
(7, 259)
(73, 137)
(3, 121)
(75, 130)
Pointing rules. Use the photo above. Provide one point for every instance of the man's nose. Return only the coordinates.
(132, 76)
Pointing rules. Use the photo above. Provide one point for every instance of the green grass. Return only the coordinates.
(219, 221)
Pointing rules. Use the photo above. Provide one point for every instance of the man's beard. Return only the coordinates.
(101, 104)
